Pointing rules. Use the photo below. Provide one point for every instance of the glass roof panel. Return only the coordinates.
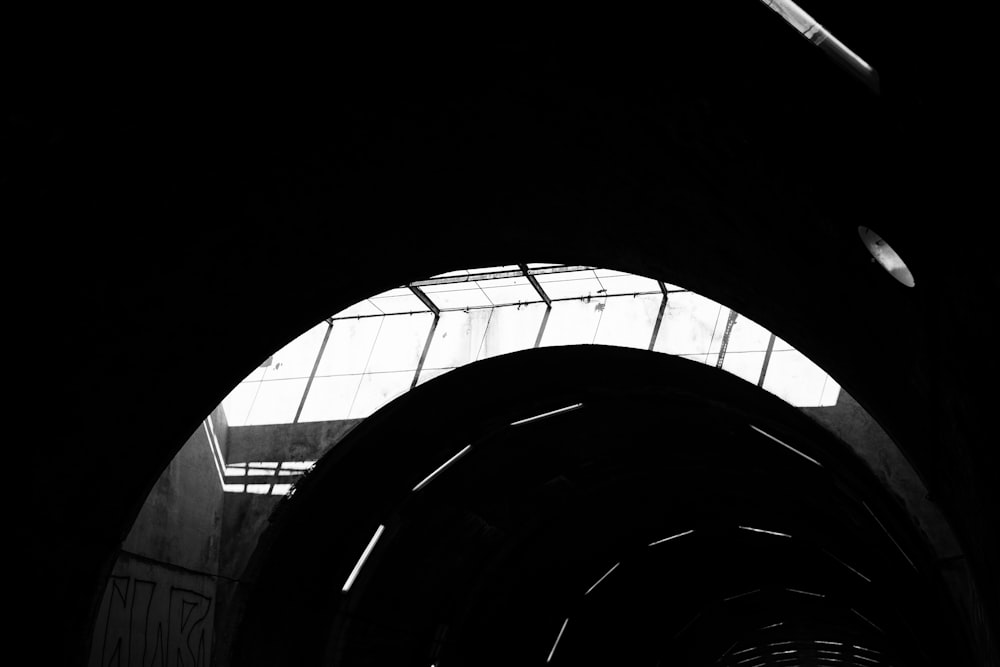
(429, 374)
(258, 373)
(689, 324)
(361, 308)
(609, 273)
(628, 321)
(457, 295)
(395, 291)
(747, 336)
(794, 378)
(575, 284)
(512, 329)
(296, 360)
(629, 285)
(509, 290)
(457, 338)
(330, 398)
(470, 329)
(700, 358)
(831, 393)
(745, 365)
(400, 343)
(277, 402)
(377, 389)
(399, 301)
(781, 344)
(237, 404)
(349, 346)
(573, 322)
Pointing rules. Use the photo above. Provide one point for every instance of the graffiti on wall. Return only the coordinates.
(148, 623)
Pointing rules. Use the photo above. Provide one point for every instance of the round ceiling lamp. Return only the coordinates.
(886, 256)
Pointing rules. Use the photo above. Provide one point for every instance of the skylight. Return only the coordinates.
(366, 355)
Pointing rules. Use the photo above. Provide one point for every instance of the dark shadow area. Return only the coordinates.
(183, 206)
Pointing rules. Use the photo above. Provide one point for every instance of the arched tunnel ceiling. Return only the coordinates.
(482, 564)
(195, 187)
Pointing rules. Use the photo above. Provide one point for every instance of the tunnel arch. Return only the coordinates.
(308, 534)
(879, 454)
(935, 415)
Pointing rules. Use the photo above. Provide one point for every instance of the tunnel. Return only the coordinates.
(572, 504)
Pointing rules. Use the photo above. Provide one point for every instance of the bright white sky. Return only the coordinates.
(374, 347)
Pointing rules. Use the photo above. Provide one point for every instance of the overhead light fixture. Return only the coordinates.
(672, 537)
(765, 532)
(361, 561)
(886, 256)
(786, 446)
(441, 468)
(568, 408)
(613, 567)
(818, 35)
(558, 637)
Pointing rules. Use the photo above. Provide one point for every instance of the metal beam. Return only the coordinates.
(541, 328)
(659, 318)
(494, 275)
(534, 283)
(767, 360)
(489, 306)
(427, 347)
(431, 306)
(319, 356)
(725, 337)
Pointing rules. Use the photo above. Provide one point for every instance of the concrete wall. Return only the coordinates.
(246, 515)
(153, 614)
(179, 573)
(176, 592)
(159, 605)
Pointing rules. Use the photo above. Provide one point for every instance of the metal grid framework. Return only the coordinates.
(792, 652)
(361, 358)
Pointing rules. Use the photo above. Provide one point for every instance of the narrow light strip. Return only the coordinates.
(727, 652)
(739, 595)
(847, 566)
(361, 561)
(558, 637)
(672, 537)
(795, 590)
(766, 532)
(686, 626)
(568, 408)
(821, 37)
(786, 446)
(863, 618)
(602, 578)
(889, 535)
(773, 625)
(440, 469)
